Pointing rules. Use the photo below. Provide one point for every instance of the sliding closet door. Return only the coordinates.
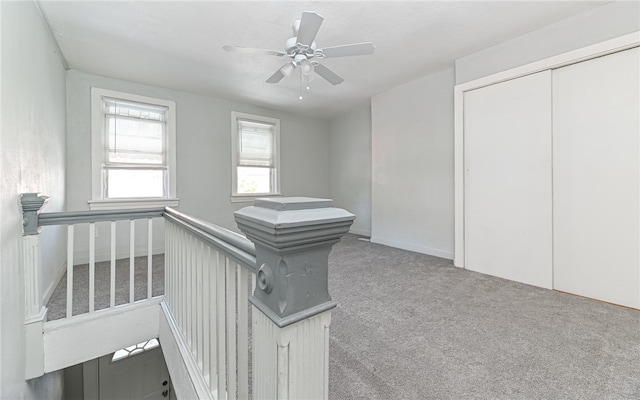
(596, 178)
(507, 195)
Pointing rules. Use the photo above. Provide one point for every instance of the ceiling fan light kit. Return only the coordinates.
(303, 52)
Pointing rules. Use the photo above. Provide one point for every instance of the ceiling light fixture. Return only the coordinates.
(303, 52)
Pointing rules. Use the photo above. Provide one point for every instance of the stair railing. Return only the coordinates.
(81, 225)
(208, 270)
(223, 291)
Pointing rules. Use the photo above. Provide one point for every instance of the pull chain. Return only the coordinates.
(300, 97)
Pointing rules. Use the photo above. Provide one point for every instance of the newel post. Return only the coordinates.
(34, 311)
(291, 303)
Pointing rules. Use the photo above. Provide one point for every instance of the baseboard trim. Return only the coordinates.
(82, 257)
(413, 247)
(360, 232)
(54, 284)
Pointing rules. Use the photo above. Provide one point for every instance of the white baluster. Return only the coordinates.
(199, 296)
(112, 266)
(231, 328)
(168, 256)
(206, 314)
(132, 255)
(92, 266)
(243, 333)
(70, 238)
(179, 275)
(188, 292)
(213, 322)
(220, 283)
(149, 257)
(193, 292)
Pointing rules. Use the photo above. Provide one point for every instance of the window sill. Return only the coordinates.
(124, 204)
(242, 198)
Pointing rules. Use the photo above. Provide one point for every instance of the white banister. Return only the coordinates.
(90, 218)
(209, 274)
(207, 271)
(35, 312)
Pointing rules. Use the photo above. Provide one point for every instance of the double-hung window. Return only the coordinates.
(133, 150)
(255, 156)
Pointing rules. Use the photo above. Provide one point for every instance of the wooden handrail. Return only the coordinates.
(232, 244)
(77, 217)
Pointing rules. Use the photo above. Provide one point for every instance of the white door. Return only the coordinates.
(139, 376)
(596, 178)
(507, 180)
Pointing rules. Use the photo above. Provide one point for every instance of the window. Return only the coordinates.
(135, 349)
(255, 156)
(133, 150)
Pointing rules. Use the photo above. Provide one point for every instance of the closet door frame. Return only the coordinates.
(597, 50)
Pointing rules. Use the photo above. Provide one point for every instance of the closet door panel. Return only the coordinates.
(596, 178)
(507, 197)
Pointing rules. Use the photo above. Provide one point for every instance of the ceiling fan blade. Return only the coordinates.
(356, 49)
(276, 77)
(328, 74)
(309, 25)
(239, 49)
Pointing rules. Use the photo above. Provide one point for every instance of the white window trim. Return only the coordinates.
(98, 202)
(248, 197)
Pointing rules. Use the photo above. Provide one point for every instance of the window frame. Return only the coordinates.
(98, 154)
(235, 156)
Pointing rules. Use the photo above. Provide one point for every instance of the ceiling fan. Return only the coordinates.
(303, 52)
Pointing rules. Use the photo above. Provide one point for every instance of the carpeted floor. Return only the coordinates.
(412, 326)
(57, 305)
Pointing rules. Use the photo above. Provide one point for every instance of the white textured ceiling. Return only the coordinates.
(178, 44)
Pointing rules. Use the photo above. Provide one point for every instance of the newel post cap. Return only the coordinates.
(31, 204)
(293, 237)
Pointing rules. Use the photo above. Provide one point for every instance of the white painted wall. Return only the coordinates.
(203, 148)
(412, 165)
(350, 165)
(606, 22)
(412, 129)
(32, 159)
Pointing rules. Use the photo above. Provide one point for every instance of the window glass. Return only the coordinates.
(255, 155)
(135, 349)
(133, 150)
(254, 180)
(128, 183)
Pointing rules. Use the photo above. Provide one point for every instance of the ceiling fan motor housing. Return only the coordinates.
(293, 48)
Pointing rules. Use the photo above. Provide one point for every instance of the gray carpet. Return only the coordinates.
(57, 305)
(412, 326)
